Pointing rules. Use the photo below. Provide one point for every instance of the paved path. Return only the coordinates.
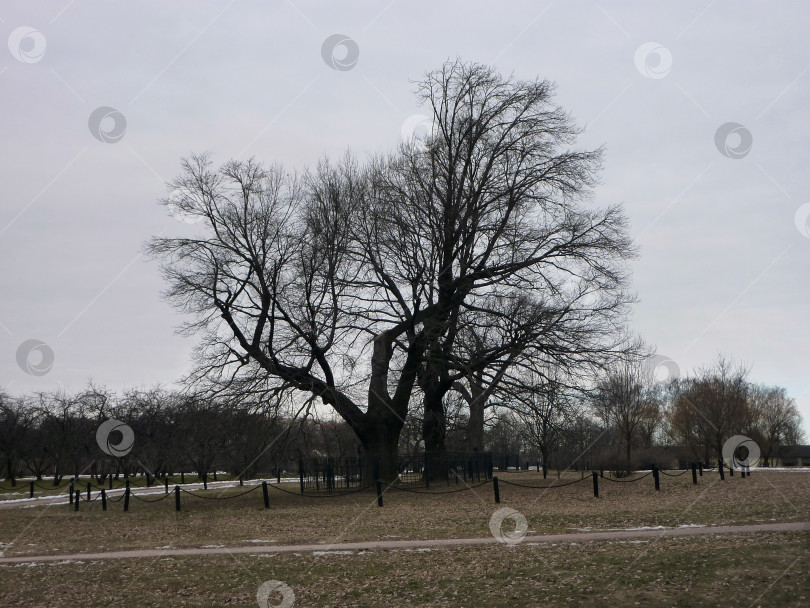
(418, 544)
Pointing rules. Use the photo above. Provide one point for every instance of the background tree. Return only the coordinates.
(627, 401)
(710, 407)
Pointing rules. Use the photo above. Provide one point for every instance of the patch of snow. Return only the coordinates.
(320, 553)
(212, 546)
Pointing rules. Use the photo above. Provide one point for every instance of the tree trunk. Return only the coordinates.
(475, 429)
(434, 431)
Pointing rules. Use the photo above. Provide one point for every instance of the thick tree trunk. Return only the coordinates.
(434, 431)
(380, 442)
(475, 429)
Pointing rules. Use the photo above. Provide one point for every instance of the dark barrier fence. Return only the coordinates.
(341, 474)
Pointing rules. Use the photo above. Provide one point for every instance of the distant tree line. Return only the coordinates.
(615, 423)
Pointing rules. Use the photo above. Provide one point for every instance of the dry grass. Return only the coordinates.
(765, 497)
(756, 569)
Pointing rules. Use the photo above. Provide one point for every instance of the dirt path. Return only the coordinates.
(419, 544)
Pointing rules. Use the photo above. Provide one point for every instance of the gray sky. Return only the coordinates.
(725, 241)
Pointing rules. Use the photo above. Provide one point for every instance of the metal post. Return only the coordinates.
(266, 495)
(166, 484)
(700, 468)
(31, 490)
(126, 497)
(177, 498)
(720, 468)
(655, 477)
(595, 485)
(497, 489)
(694, 474)
(103, 500)
(88, 491)
(76, 502)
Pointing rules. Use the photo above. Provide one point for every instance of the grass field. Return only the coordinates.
(709, 570)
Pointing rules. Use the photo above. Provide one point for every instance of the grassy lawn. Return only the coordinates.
(764, 497)
(746, 570)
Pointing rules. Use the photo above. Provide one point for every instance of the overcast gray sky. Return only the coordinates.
(719, 211)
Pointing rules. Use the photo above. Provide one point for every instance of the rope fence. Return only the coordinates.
(77, 494)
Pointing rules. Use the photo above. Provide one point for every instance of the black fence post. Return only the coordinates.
(76, 502)
(182, 478)
(545, 469)
(71, 491)
(31, 490)
(166, 484)
(656, 478)
(126, 497)
(694, 474)
(731, 470)
(379, 494)
(88, 491)
(241, 481)
(497, 489)
(720, 468)
(700, 468)
(103, 500)
(266, 495)
(205, 481)
(110, 482)
(301, 474)
(595, 484)
(177, 498)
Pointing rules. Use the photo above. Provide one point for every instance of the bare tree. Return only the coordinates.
(710, 407)
(491, 208)
(626, 400)
(350, 283)
(774, 419)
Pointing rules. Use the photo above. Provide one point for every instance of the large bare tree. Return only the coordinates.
(350, 284)
(492, 208)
